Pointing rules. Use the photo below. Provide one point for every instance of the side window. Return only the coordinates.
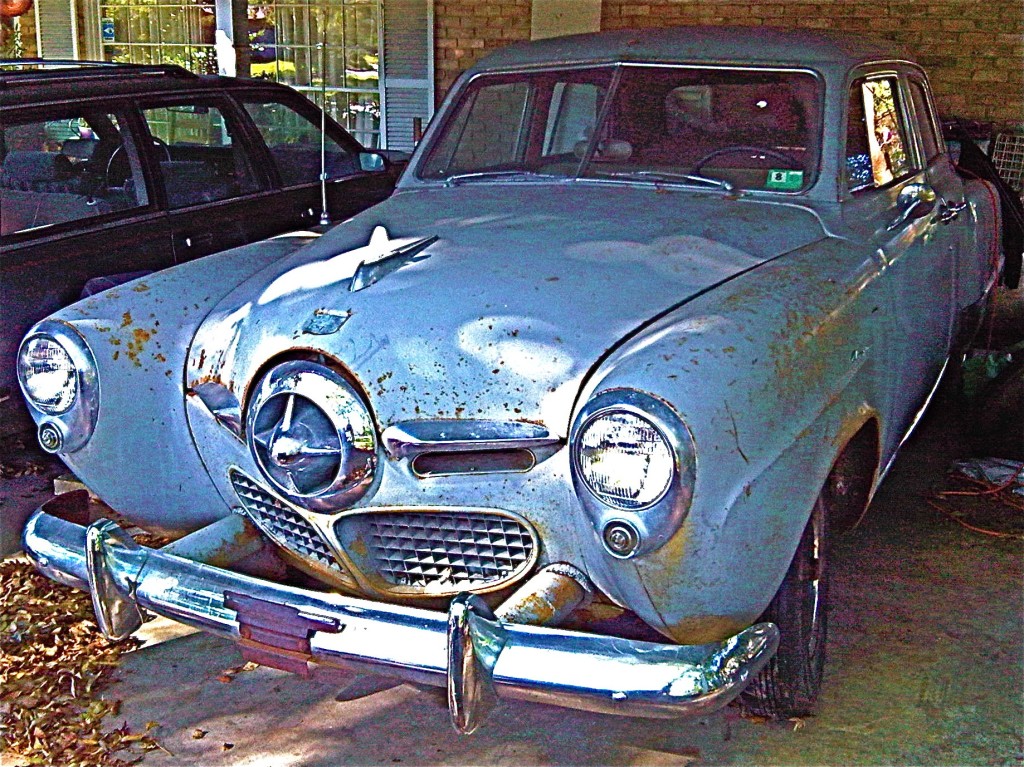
(933, 147)
(294, 143)
(66, 167)
(572, 116)
(201, 155)
(876, 143)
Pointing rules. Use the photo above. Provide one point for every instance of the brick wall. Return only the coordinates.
(973, 49)
(466, 29)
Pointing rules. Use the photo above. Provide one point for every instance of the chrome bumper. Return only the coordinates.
(478, 658)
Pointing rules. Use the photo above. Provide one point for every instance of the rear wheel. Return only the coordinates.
(788, 686)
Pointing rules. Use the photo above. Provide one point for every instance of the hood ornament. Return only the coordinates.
(362, 266)
(384, 261)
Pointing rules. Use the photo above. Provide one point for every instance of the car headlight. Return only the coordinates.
(57, 375)
(624, 460)
(312, 436)
(48, 375)
(633, 466)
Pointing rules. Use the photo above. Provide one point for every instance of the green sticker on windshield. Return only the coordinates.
(785, 180)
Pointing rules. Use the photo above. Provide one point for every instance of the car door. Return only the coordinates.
(217, 194)
(290, 127)
(952, 207)
(75, 203)
(894, 198)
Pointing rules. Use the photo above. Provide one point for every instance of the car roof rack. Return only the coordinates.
(16, 71)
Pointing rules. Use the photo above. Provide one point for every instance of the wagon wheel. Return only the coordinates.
(788, 686)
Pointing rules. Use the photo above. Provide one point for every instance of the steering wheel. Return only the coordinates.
(159, 142)
(791, 162)
(124, 173)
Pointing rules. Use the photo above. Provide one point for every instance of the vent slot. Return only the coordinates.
(473, 462)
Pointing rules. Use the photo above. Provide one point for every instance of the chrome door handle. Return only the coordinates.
(915, 201)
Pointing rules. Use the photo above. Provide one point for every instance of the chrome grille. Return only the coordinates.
(446, 549)
(282, 523)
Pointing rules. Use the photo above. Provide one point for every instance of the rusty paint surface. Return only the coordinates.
(702, 629)
(543, 600)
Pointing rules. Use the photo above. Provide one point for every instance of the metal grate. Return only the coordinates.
(1008, 157)
(447, 549)
(282, 523)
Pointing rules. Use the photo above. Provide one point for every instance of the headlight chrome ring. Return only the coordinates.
(633, 467)
(57, 375)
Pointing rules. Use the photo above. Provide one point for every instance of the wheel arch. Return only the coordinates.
(852, 480)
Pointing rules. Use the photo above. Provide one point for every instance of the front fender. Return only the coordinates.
(139, 334)
(772, 372)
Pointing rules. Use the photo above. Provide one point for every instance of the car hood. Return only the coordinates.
(488, 301)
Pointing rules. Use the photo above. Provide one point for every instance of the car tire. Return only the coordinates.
(788, 686)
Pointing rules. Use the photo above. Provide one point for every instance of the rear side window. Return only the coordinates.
(66, 167)
(294, 143)
(201, 155)
(876, 139)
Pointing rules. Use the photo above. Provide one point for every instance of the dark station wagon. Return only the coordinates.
(108, 169)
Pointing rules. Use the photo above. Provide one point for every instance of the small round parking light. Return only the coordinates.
(621, 538)
(50, 438)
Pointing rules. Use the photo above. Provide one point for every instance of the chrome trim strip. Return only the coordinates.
(566, 668)
(913, 424)
(411, 438)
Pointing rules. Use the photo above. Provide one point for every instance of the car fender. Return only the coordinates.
(141, 459)
(772, 372)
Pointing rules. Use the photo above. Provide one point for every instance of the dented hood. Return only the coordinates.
(487, 301)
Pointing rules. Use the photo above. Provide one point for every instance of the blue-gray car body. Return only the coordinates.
(782, 335)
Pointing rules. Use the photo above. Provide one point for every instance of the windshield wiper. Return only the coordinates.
(485, 174)
(663, 175)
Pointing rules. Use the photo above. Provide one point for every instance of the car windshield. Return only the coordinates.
(709, 128)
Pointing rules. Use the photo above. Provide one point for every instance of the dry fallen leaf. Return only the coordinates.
(53, 664)
(229, 674)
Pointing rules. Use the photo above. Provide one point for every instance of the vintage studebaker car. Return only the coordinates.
(570, 417)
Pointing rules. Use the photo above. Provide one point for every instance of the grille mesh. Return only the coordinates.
(462, 549)
(281, 522)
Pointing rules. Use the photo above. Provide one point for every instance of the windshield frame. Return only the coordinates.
(815, 134)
